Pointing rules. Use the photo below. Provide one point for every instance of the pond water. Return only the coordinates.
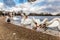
(38, 17)
(17, 22)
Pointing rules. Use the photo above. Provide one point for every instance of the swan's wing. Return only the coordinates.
(27, 21)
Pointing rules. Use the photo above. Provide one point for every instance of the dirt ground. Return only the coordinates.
(12, 32)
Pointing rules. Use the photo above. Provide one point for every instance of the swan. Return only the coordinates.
(53, 23)
(59, 25)
(15, 18)
(35, 23)
(25, 20)
(36, 20)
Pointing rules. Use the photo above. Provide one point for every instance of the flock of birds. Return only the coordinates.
(37, 23)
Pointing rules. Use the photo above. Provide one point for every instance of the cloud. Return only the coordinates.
(9, 3)
(1, 6)
(47, 5)
(50, 0)
(36, 6)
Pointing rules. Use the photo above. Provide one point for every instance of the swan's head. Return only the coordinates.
(46, 19)
(24, 15)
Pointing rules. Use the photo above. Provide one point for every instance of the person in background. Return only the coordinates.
(9, 17)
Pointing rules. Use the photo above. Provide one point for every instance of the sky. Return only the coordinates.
(36, 6)
(11, 3)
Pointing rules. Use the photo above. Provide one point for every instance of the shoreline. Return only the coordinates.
(12, 32)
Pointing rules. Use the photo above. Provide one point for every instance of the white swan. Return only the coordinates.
(15, 18)
(26, 21)
(32, 22)
(59, 25)
(53, 23)
(37, 21)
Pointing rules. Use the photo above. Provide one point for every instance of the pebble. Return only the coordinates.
(14, 33)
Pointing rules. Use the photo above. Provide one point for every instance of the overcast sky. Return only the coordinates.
(39, 5)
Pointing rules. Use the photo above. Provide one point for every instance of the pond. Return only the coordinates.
(18, 20)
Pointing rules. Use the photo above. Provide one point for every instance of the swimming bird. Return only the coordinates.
(15, 18)
(53, 23)
(36, 21)
(25, 20)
